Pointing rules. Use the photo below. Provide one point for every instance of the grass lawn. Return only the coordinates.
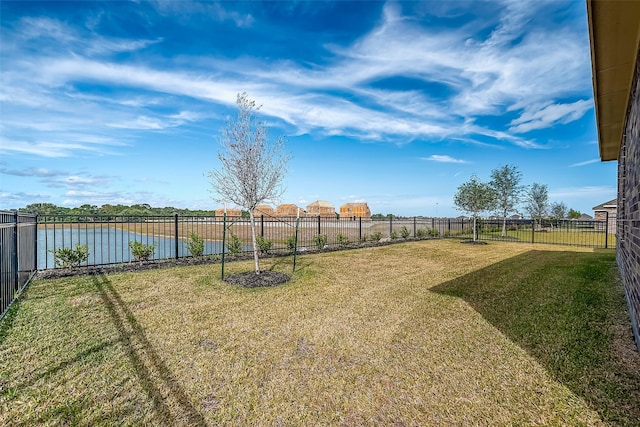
(431, 332)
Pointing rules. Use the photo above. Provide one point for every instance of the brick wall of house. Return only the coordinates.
(628, 253)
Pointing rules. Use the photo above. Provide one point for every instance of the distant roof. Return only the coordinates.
(585, 217)
(610, 204)
(321, 203)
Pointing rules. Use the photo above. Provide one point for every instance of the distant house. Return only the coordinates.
(321, 208)
(289, 209)
(607, 211)
(585, 217)
(230, 212)
(359, 210)
(265, 210)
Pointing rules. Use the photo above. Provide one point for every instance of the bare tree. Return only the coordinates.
(474, 197)
(505, 180)
(538, 202)
(251, 167)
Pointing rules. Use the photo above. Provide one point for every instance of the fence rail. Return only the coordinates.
(18, 255)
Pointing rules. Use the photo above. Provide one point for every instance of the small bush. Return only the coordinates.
(140, 251)
(292, 243)
(67, 257)
(234, 245)
(404, 232)
(421, 233)
(375, 237)
(364, 238)
(320, 241)
(342, 239)
(394, 235)
(195, 245)
(264, 244)
(433, 232)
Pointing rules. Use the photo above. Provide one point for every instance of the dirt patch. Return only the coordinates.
(250, 279)
(474, 242)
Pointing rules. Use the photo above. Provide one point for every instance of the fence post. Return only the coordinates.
(533, 230)
(175, 222)
(606, 230)
(360, 228)
(318, 223)
(35, 244)
(414, 226)
(15, 254)
(262, 225)
(390, 224)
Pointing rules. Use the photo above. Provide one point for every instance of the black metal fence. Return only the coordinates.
(18, 255)
(107, 237)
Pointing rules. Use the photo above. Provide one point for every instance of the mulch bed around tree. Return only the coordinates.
(250, 279)
(474, 242)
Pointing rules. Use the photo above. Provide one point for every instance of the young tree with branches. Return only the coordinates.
(474, 196)
(505, 181)
(538, 202)
(251, 166)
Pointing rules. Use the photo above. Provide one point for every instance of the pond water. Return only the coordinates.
(110, 245)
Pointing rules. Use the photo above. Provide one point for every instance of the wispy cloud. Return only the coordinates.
(35, 172)
(443, 159)
(591, 191)
(587, 162)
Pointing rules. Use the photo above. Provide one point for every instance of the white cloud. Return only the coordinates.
(587, 162)
(544, 117)
(443, 159)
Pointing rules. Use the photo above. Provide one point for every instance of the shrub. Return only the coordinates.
(394, 235)
(195, 245)
(140, 251)
(421, 233)
(375, 237)
(264, 244)
(320, 240)
(292, 243)
(342, 239)
(433, 232)
(404, 232)
(67, 257)
(234, 245)
(364, 238)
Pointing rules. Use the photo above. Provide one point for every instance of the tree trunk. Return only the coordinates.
(475, 230)
(253, 241)
(504, 226)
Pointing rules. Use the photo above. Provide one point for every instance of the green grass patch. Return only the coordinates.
(419, 333)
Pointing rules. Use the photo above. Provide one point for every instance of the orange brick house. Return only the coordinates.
(359, 210)
(230, 212)
(321, 208)
(289, 209)
(265, 210)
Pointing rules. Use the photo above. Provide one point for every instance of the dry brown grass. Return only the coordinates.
(375, 336)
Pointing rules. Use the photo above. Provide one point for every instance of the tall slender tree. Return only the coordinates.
(251, 166)
(474, 197)
(538, 202)
(506, 182)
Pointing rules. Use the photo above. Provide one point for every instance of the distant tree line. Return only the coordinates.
(51, 209)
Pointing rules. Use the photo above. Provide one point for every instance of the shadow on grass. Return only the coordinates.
(567, 310)
(154, 375)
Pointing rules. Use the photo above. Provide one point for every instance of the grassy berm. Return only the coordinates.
(420, 333)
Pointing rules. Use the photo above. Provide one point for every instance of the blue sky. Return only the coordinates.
(392, 103)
